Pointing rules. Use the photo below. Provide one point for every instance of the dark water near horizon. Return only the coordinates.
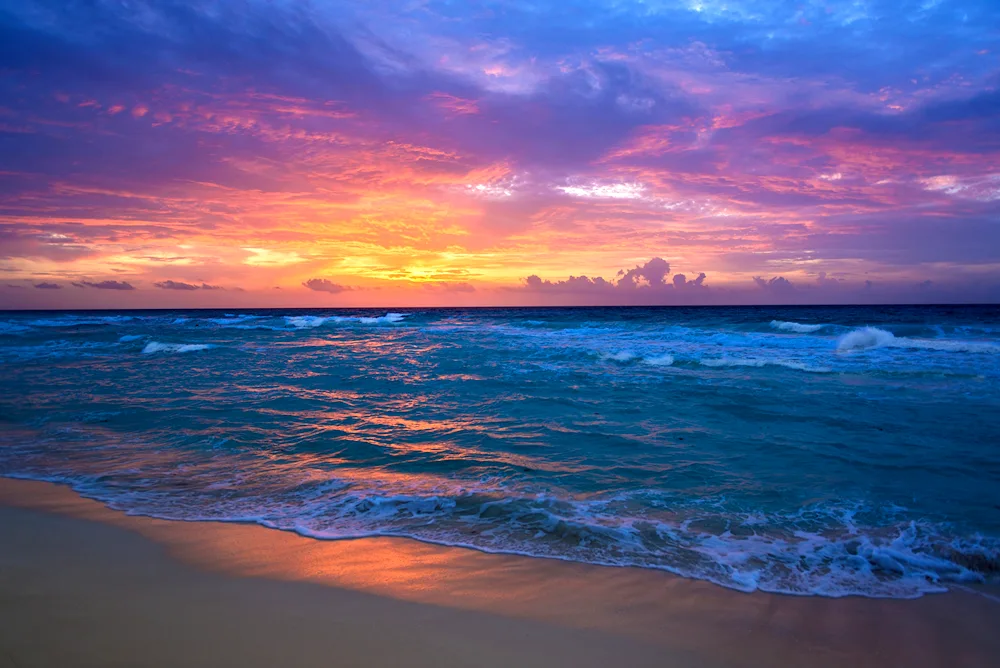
(806, 450)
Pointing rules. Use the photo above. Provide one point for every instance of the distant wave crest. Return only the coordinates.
(313, 321)
(787, 326)
(758, 363)
(665, 359)
(157, 347)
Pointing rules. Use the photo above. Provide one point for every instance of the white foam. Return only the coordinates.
(620, 356)
(387, 318)
(156, 347)
(665, 359)
(305, 321)
(312, 321)
(867, 338)
(787, 326)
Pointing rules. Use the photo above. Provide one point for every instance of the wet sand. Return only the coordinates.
(83, 585)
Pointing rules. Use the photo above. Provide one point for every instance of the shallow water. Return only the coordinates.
(821, 450)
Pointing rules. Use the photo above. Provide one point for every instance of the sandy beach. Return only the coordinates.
(83, 585)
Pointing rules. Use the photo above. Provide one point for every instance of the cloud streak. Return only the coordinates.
(105, 285)
(325, 285)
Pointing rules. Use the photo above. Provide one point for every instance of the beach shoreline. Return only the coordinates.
(107, 584)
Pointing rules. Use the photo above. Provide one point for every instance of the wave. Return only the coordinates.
(232, 319)
(626, 356)
(621, 356)
(821, 550)
(666, 359)
(56, 350)
(305, 321)
(157, 347)
(867, 338)
(130, 337)
(787, 326)
(759, 363)
(12, 328)
(387, 318)
(74, 321)
(313, 321)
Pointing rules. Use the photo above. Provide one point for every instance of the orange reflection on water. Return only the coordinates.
(685, 616)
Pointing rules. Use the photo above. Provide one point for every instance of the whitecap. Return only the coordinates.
(787, 326)
(666, 359)
(867, 338)
(157, 347)
(387, 318)
(305, 321)
(312, 321)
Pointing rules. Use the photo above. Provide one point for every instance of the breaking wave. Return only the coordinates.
(313, 321)
(867, 338)
(818, 550)
(787, 326)
(157, 347)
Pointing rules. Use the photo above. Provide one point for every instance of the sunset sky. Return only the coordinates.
(313, 153)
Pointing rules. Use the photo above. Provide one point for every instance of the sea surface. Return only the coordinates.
(824, 451)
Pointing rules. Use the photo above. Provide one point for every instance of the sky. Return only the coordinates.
(227, 153)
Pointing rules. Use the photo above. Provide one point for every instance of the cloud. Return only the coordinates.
(643, 283)
(175, 285)
(652, 274)
(179, 285)
(325, 285)
(106, 285)
(681, 282)
(579, 284)
(778, 285)
(48, 286)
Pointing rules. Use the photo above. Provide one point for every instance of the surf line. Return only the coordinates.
(995, 599)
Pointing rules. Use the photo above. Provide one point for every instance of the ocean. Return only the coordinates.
(826, 451)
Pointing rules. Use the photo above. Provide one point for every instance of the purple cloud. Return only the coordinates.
(48, 286)
(644, 283)
(778, 285)
(175, 285)
(106, 285)
(325, 285)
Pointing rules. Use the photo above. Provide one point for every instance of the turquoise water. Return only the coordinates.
(824, 451)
